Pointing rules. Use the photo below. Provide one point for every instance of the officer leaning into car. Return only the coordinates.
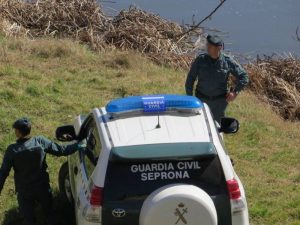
(212, 70)
(28, 159)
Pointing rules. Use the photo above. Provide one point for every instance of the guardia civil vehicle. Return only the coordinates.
(152, 160)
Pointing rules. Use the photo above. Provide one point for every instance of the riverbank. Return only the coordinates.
(165, 42)
(274, 80)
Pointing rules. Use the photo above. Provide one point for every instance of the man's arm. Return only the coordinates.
(241, 75)
(191, 78)
(6, 167)
(57, 149)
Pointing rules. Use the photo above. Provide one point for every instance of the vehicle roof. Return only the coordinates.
(140, 129)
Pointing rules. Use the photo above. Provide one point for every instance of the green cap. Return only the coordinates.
(22, 123)
(214, 40)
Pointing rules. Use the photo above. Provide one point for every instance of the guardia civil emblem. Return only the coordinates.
(180, 213)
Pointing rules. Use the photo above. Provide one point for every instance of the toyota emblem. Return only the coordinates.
(118, 213)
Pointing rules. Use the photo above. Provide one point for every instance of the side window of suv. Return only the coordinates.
(93, 148)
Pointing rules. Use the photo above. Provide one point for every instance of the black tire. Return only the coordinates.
(63, 178)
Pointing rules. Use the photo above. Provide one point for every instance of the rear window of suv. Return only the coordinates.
(137, 171)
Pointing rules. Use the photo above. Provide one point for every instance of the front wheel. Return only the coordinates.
(65, 183)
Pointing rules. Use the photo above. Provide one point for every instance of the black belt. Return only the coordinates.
(211, 98)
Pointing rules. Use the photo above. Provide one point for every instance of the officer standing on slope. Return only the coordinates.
(28, 159)
(212, 71)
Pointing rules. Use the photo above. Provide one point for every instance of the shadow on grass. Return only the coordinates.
(63, 211)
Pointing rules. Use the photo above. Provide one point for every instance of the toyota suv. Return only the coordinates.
(152, 160)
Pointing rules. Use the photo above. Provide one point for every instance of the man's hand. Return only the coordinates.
(81, 147)
(231, 96)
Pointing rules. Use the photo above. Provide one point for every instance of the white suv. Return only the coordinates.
(152, 160)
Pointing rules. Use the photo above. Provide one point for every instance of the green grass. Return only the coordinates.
(52, 81)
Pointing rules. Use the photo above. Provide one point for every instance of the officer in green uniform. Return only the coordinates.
(28, 159)
(212, 71)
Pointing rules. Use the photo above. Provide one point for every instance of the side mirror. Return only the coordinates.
(229, 125)
(66, 133)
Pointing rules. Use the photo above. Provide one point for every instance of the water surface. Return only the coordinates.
(252, 26)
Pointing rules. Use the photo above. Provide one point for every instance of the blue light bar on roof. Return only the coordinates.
(153, 103)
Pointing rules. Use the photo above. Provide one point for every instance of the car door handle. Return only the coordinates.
(75, 170)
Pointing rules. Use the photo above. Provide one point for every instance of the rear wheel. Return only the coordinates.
(65, 184)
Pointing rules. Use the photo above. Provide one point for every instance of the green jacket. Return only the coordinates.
(28, 159)
(212, 75)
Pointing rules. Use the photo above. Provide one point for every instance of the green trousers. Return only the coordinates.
(217, 107)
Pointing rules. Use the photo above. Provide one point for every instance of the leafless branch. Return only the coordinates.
(193, 28)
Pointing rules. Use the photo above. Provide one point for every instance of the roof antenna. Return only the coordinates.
(158, 122)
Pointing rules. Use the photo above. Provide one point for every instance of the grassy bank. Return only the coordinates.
(52, 81)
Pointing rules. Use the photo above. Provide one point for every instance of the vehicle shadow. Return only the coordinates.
(63, 211)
